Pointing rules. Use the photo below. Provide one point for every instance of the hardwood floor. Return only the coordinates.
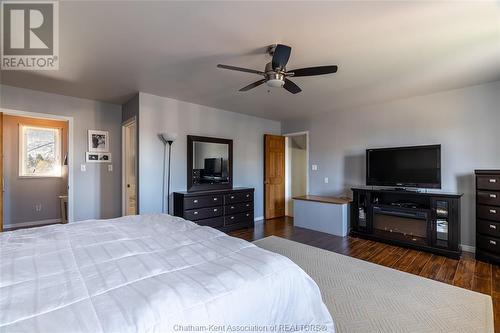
(465, 272)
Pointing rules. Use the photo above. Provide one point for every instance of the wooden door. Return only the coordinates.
(1, 171)
(274, 176)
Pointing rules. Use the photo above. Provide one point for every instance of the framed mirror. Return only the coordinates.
(209, 163)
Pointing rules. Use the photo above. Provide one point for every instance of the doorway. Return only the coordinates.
(35, 169)
(296, 168)
(129, 181)
(286, 160)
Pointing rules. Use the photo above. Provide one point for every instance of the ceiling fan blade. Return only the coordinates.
(240, 69)
(253, 85)
(291, 87)
(312, 71)
(281, 56)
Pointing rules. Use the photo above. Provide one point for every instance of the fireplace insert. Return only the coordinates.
(412, 225)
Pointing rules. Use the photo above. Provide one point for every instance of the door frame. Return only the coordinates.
(308, 152)
(70, 120)
(125, 124)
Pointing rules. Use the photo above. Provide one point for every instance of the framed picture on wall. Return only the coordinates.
(98, 141)
(98, 157)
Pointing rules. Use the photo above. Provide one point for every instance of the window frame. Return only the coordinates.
(23, 154)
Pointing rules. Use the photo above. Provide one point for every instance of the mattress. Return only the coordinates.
(152, 273)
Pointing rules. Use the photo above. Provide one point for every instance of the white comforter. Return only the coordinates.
(153, 273)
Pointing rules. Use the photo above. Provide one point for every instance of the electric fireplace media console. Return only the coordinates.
(419, 220)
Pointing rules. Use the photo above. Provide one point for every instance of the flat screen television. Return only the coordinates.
(418, 166)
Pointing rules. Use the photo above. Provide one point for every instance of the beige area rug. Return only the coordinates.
(365, 297)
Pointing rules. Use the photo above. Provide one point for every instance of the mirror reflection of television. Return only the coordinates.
(213, 167)
(418, 166)
(210, 163)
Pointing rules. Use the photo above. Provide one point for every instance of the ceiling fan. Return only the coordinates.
(275, 73)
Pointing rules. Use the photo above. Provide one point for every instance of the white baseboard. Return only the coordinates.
(468, 248)
(31, 223)
(258, 218)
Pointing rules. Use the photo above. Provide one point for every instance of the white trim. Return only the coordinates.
(31, 223)
(258, 218)
(468, 248)
(70, 121)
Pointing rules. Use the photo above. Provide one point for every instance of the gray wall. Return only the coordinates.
(97, 192)
(465, 121)
(131, 109)
(159, 114)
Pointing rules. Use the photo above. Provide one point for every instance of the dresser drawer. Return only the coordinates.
(490, 244)
(238, 197)
(491, 213)
(204, 201)
(203, 213)
(216, 222)
(238, 218)
(488, 198)
(488, 182)
(488, 228)
(238, 208)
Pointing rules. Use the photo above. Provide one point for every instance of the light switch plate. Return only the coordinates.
(83, 168)
(110, 167)
(314, 167)
(326, 180)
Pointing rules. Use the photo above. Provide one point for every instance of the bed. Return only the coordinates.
(152, 273)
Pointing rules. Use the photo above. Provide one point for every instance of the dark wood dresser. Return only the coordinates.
(488, 215)
(225, 210)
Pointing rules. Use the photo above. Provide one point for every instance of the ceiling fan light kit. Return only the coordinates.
(275, 73)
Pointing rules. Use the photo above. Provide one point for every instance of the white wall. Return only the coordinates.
(97, 192)
(295, 170)
(464, 121)
(160, 114)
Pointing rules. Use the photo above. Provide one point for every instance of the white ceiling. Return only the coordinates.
(384, 50)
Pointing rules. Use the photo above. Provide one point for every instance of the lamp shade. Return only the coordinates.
(167, 137)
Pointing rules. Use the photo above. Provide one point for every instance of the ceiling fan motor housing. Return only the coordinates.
(275, 79)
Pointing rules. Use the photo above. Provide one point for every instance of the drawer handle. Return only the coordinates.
(492, 242)
(493, 211)
(232, 207)
(493, 180)
(248, 214)
(215, 209)
(195, 213)
(215, 199)
(232, 197)
(248, 195)
(248, 205)
(232, 217)
(195, 201)
(493, 196)
(492, 226)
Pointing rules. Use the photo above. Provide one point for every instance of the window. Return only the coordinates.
(39, 151)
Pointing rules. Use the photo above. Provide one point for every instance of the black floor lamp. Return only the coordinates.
(167, 139)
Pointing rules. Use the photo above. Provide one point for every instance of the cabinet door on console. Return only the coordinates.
(444, 213)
